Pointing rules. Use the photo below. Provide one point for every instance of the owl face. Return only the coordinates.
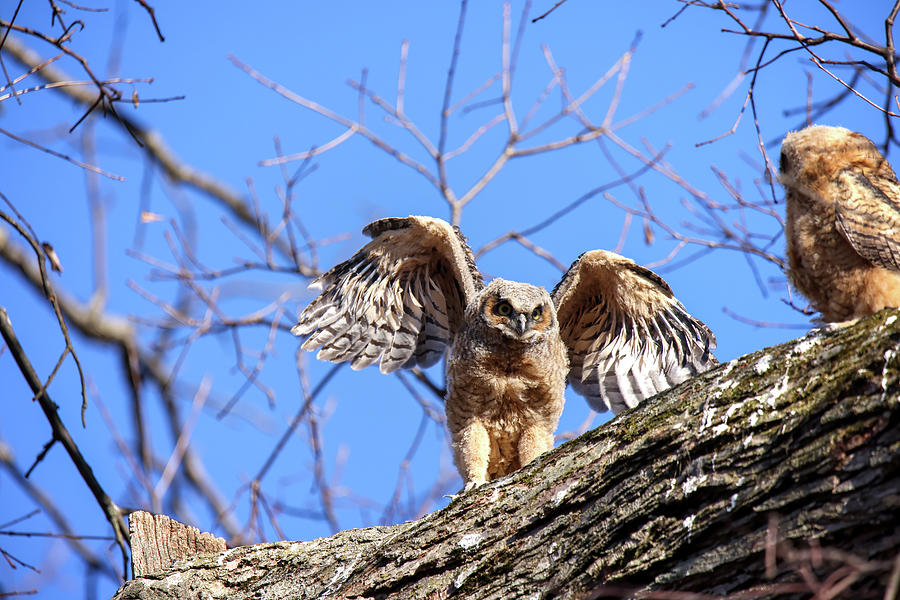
(519, 311)
(814, 156)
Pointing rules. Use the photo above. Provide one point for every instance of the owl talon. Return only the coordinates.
(838, 325)
(470, 486)
(465, 490)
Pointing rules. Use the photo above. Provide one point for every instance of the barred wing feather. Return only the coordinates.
(868, 214)
(398, 301)
(629, 338)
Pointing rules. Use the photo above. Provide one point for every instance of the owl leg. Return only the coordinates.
(533, 442)
(471, 451)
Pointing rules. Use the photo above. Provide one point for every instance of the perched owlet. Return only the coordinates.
(612, 328)
(843, 222)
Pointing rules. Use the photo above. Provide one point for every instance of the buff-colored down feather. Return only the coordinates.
(843, 222)
(612, 328)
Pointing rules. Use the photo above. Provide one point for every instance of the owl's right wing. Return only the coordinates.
(628, 337)
(868, 214)
(399, 299)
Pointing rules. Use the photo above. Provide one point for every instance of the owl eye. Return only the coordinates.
(504, 309)
(537, 313)
(783, 162)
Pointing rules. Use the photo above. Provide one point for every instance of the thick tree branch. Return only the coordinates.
(777, 472)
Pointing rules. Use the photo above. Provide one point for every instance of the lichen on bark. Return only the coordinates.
(681, 493)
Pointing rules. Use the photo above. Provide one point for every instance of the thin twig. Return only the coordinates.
(66, 157)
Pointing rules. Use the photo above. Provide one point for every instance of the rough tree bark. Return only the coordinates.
(678, 494)
(158, 541)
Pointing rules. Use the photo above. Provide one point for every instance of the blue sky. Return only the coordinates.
(226, 125)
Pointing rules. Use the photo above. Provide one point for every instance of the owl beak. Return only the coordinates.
(521, 324)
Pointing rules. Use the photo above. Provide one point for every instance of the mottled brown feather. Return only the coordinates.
(843, 222)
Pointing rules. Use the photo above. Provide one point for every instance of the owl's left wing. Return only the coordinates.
(399, 300)
(868, 214)
(628, 337)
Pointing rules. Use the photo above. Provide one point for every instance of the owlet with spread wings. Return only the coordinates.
(843, 222)
(612, 328)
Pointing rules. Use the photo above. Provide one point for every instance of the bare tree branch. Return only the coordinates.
(61, 434)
